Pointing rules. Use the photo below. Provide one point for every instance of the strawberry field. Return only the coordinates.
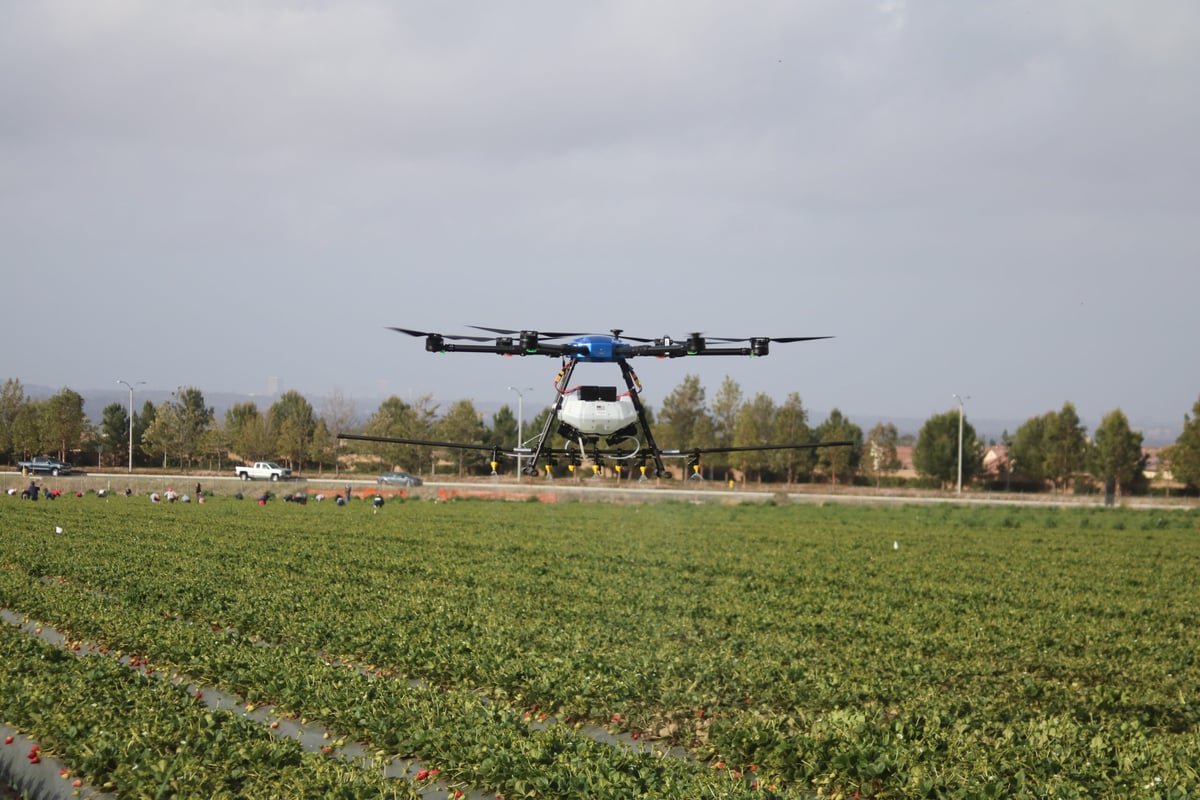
(603, 651)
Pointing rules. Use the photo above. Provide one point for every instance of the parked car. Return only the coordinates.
(398, 479)
(44, 464)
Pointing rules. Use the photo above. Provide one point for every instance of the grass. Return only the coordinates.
(907, 652)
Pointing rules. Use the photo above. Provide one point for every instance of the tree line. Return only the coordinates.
(1052, 450)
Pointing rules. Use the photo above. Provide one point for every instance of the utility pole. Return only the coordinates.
(520, 423)
(130, 385)
(960, 437)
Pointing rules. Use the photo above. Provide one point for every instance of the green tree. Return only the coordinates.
(724, 409)
(161, 439)
(215, 444)
(463, 424)
(936, 454)
(399, 420)
(194, 419)
(256, 440)
(293, 420)
(839, 462)
(26, 431)
(685, 421)
(754, 427)
(179, 427)
(1027, 452)
(1184, 455)
(63, 423)
(1117, 455)
(503, 432)
(114, 432)
(12, 398)
(791, 427)
(1066, 446)
(141, 423)
(879, 454)
(247, 431)
(322, 446)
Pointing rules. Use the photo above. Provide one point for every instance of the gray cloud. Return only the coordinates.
(993, 201)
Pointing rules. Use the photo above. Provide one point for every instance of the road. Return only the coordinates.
(597, 489)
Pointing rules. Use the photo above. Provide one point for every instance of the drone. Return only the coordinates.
(599, 423)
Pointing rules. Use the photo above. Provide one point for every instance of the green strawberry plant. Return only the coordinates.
(734, 650)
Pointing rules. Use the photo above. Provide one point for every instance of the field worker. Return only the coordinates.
(347, 493)
(197, 490)
(154, 498)
(31, 493)
(378, 501)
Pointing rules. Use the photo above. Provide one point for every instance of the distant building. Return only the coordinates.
(1157, 468)
(996, 460)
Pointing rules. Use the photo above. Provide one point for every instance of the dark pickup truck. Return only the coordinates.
(46, 464)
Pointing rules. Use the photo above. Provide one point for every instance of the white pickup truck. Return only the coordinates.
(262, 471)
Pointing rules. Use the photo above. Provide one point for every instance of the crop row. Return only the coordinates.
(914, 652)
(474, 741)
(118, 729)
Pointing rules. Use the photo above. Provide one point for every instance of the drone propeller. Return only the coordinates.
(443, 335)
(538, 334)
(780, 339)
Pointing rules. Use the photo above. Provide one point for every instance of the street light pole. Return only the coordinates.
(130, 385)
(520, 422)
(960, 437)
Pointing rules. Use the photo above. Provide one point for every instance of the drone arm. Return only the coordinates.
(486, 448)
(751, 448)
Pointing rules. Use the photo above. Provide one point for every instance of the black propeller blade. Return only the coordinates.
(456, 337)
(539, 334)
(781, 339)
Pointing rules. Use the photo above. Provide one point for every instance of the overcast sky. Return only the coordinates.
(997, 200)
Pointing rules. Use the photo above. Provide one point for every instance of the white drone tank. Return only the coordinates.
(597, 410)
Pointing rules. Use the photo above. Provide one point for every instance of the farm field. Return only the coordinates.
(733, 651)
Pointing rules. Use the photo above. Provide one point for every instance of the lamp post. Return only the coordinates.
(130, 385)
(520, 422)
(960, 437)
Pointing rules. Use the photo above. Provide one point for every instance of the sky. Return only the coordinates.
(991, 200)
